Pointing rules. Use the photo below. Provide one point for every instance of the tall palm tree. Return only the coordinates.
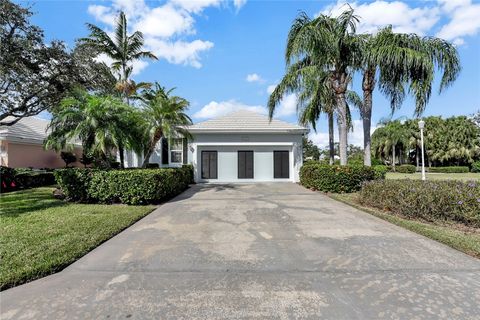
(327, 44)
(390, 138)
(101, 123)
(402, 61)
(165, 115)
(122, 48)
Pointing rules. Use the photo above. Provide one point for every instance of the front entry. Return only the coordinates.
(209, 165)
(281, 165)
(245, 164)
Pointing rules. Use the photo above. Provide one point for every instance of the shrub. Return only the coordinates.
(448, 169)
(476, 166)
(380, 171)
(406, 168)
(24, 178)
(137, 186)
(152, 166)
(428, 200)
(335, 178)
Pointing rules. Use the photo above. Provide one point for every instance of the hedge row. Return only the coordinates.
(406, 168)
(338, 179)
(457, 201)
(448, 169)
(134, 186)
(15, 179)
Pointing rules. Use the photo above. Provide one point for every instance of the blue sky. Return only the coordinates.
(224, 55)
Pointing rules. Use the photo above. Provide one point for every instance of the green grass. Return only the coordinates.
(434, 176)
(454, 235)
(40, 235)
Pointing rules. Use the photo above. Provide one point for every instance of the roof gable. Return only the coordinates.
(245, 121)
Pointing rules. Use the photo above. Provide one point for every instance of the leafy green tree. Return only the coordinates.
(310, 150)
(68, 157)
(165, 116)
(122, 48)
(390, 139)
(326, 47)
(102, 124)
(34, 75)
(402, 60)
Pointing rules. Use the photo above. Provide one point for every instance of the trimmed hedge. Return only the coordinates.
(380, 171)
(338, 179)
(476, 166)
(448, 169)
(135, 186)
(457, 201)
(15, 179)
(406, 168)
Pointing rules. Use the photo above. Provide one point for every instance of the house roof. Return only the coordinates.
(245, 121)
(30, 129)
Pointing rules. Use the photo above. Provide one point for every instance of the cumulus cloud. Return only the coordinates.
(215, 109)
(464, 20)
(400, 15)
(167, 27)
(462, 17)
(253, 77)
(288, 105)
(270, 88)
(320, 138)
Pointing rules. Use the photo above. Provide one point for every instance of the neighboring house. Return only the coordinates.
(243, 146)
(21, 146)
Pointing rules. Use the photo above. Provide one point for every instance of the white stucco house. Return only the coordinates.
(242, 146)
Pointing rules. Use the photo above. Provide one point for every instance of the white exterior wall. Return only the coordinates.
(263, 145)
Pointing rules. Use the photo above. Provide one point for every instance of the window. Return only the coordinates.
(176, 151)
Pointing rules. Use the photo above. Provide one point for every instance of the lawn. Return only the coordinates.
(40, 235)
(457, 236)
(435, 176)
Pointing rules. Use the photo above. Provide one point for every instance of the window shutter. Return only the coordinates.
(185, 151)
(164, 151)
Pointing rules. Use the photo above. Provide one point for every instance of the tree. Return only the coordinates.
(102, 124)
(389, 139)
(327, 44)
(122, 48)
(310, 150)
(165, 116)
(36, 76)
(68, 157)
(402, 60)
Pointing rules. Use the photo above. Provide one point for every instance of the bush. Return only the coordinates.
(476, 166)
(335, 178)
(448, 169)
(406, 168)
(457, 201)
(137, 186)
(152, 166)
(380, 171)
(24, 178)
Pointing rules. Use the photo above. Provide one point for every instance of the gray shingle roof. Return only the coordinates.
(245, 121)
(31, 129)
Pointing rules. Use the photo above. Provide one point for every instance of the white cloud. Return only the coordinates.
(464, 20)
(166, 26)
(216, 109)
(287, 107)
(401, 16)
(270, 88)
(239, 3)
(253, 77)
(320, 138)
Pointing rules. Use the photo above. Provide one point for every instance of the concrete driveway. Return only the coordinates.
(264, 251)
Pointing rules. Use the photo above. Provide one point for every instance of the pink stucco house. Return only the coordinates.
(21, 146)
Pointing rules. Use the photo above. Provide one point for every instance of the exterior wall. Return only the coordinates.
(21, 155)
(263, 146)
(4, 153)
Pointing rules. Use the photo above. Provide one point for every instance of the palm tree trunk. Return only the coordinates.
(368, 85)
(331, 145)
(342, 128)
(393, 157)
(156, 137)
(121, 152)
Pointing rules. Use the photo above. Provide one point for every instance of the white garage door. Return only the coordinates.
(245, 163)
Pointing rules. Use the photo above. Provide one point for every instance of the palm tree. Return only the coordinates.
(327, 44)
(402, 60)
(392, 137)
(122, 48)
(101, 123)
(166, 117)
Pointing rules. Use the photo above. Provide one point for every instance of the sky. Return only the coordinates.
(227, 55)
